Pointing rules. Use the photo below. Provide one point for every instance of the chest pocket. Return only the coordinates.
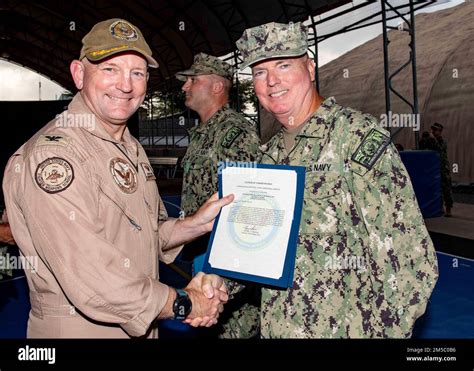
(200, 172)
(197, 160)
(322, 203)
(151, 200)
(195, 164)
(114, 210)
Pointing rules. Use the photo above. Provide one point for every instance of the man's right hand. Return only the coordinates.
(208, 300)
(6, 234)
(4, 216)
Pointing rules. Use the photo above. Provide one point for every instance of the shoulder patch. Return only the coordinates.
(371, 148)
(230, 136)
(54, 175)
(52, 140)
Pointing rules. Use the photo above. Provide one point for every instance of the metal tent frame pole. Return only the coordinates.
(316, 55)
(388, 77)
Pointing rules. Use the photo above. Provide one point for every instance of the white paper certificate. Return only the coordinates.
(252, 233)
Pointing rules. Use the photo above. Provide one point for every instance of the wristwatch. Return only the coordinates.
(182, 305)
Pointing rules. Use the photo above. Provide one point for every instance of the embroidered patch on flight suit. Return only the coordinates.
(124, 175)
(230, 136)
(148, 170)
(52, 140)
(371, 148)
(54, 175)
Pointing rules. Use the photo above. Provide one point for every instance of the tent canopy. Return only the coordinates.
(46, 36)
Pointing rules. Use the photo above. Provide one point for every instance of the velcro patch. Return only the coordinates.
(54, 175)
(52, 140)
(124, 175)
(148, 171)
(371, 148)
(230, 136)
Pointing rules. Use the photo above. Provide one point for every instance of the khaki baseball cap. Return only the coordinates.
(272, 40)
(115, 36)
(206, 65)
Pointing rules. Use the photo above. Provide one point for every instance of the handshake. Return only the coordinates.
(208, 294)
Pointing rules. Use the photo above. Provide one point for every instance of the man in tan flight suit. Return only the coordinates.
(81, 195)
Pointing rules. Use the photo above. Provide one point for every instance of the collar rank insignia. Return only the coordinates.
(52, 140)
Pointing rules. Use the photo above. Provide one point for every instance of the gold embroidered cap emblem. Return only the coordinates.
(123, 30)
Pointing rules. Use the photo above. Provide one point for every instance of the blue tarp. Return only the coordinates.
(423, 168)
(448, 315)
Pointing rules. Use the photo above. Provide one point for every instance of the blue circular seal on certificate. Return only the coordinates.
(253, 222)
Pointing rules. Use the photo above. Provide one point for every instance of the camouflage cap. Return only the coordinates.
(272, 40)
(206, 65)
(115, 36)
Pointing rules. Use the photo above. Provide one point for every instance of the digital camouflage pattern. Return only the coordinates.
(365, 264)
(440, 146)
(446, 186)
(205, 64)
(272, 40)
(226, 136)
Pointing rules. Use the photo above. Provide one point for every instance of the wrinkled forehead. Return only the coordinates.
(277, 60)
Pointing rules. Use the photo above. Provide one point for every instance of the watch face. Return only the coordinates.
(182, 310)
(182, 305)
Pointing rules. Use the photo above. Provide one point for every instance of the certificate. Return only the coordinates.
(255, 237)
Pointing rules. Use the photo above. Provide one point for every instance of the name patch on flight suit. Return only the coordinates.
(124, 175)
(148, 170)
(54, 175)
(371, 148)
(231, 135)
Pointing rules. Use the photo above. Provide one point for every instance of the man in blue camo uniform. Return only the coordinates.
(365, 264)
